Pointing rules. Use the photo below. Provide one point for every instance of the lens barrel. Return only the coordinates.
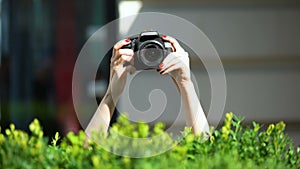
(151, 53)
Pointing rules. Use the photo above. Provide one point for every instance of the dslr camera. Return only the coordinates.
(149, 50)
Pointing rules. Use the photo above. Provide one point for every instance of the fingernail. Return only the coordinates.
(127, 40)
(161, 65)
(164, 37)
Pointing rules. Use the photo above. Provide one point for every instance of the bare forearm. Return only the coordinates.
(102, 116)
(195, 116)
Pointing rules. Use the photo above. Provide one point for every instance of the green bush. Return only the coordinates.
(233, 146)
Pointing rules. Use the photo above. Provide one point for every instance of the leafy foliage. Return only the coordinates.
(233, 146)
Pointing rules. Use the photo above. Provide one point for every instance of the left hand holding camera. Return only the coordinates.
(177, 63)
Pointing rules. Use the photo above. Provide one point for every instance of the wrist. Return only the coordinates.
(185, 84)
(109, 98)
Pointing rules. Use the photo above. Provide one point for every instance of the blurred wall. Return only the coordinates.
(259, 44)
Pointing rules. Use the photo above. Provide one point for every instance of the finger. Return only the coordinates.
(174, 43)
(168, 59)
(120, 52)
(173, 62)
(171, 68)
(126, 52)
(119, 45)
(126, 58)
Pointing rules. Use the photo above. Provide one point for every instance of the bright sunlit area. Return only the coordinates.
(128, 8)
(202, 84)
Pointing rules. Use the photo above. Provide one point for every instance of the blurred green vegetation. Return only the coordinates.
(233, 146)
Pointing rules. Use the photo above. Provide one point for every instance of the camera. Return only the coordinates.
(149, 50)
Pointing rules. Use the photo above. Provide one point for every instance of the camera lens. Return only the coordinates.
(151, 54)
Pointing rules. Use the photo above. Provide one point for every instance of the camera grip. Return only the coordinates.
(128, 46)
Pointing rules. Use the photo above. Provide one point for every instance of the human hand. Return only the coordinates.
(177, 63)
(118, 71)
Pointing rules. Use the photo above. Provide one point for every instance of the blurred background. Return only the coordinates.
(258, 43)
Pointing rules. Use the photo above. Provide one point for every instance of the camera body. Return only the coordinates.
(149, 50)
